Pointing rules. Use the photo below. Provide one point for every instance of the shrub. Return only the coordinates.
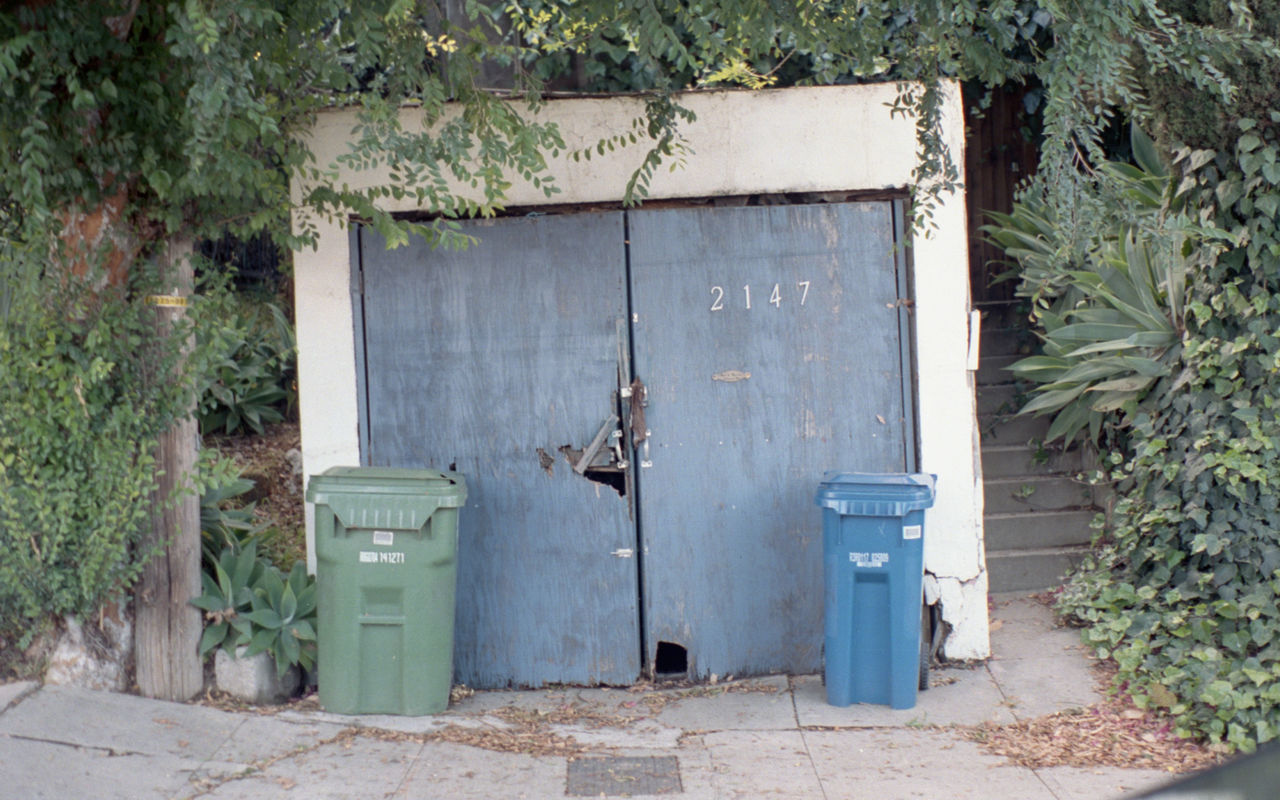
(80, 411)
(1182, 591)
(1111, 308)
(252, 384)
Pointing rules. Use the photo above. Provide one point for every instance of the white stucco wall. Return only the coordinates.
(786, 140)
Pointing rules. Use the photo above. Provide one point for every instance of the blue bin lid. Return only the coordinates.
(876, 494)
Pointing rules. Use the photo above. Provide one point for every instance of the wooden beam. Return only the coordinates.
(167, 626)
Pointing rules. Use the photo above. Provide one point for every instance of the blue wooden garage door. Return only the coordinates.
(769, 345)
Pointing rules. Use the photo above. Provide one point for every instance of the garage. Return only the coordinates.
(644, 399)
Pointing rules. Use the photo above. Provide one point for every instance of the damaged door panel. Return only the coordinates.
(602, 461)
(491, 359)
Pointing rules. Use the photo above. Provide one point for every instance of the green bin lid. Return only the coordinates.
(386, 497)
(876, 494)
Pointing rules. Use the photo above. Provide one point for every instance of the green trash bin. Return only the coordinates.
(386, 574)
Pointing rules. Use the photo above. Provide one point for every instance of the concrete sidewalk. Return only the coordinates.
(770, 737)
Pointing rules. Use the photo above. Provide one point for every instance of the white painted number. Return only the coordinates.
(775, 296)
(718, 303)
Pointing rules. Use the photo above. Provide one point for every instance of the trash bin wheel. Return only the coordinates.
(926, 644)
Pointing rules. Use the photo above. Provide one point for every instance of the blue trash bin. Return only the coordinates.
(873, 554)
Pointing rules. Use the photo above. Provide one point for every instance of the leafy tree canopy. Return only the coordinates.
(192, 110)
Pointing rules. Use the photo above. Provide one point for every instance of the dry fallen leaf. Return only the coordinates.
(1110, 733)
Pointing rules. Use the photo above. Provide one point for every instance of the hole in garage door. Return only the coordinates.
(672, 661)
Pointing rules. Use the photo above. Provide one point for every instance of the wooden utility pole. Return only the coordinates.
(167, 626)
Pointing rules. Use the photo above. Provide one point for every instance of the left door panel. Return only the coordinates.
(494, 361)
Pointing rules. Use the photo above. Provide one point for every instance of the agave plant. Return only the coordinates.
(248, 603)
(283, 618)
(228, 594)
(1113, 309)
(1106, 353)
(224, 528)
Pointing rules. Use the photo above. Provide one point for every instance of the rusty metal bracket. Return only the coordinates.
(639, 399)
(597, 444)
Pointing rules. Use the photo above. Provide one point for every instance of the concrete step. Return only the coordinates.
(1009, 429)
(1002, 313)
(1023, 493)
(1000, 398)
(1012, 460)
(991, 369)
(1031, 530)
(1019, 341)
(1031, 570)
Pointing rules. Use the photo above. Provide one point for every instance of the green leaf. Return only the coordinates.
(1093, 332)
(1145, 153)
(290, 648)
(1053, 400)
(1111, 346)
(245, 564)
(288, 604)
(261, 642)
(1133, 383)
(303, 630)
(212, 637)
(265, 618)
(1038, 364)
(1112, 401)
(306, 601)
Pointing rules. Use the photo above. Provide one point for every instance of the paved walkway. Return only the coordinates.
(771, 737)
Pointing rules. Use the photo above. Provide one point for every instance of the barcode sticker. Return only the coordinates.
(912, 531)
(384, 538)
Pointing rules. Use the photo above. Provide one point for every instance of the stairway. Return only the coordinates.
(1037, 513)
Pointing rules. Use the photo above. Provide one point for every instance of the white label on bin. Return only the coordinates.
(367, 557)
(869, 559)
(912, 531)
(384, 538)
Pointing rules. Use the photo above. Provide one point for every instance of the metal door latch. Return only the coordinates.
(606, 432)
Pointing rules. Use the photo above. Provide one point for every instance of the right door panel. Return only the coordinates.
(771, 342)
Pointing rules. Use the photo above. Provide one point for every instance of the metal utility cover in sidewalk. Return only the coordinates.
(623, 776)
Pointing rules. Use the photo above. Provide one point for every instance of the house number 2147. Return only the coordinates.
(775, 296)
